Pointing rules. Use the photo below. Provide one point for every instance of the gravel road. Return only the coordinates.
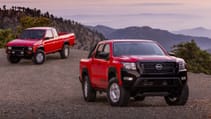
(53, 91)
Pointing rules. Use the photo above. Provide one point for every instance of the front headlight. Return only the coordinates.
(182, 65)
(9, 48)
(30, 48)
(129, 66)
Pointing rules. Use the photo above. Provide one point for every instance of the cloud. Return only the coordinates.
(166, 15)
(15, 2)
(144, 15)
(159, 4)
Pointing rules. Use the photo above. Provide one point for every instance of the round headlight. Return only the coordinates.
(30, 48)
(9, 48)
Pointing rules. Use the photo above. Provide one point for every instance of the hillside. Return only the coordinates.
(164, 37)
(85, 38)
(199, 31)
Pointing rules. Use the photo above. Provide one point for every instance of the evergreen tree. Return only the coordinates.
(197, 60)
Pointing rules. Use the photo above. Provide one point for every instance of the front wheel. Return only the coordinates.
(88, 92)
(13, 59)
(64, 53)
(179, 99)
(117, 95)
(39, 57)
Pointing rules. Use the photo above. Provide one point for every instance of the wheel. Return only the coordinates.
(89, 93)
(117, 95)
(64, 53)
(39, 57)
(180, 99)
(139, 98)
(13, 59)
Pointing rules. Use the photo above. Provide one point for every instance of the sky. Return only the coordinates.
(163, 14)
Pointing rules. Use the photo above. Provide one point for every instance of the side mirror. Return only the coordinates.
(47, 38)
(171, 53)
(104, 55)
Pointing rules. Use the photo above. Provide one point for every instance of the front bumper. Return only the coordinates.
(21, 52)
(158, 83)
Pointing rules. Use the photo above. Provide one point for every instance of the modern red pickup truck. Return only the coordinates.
(133, 68)
(35, 43)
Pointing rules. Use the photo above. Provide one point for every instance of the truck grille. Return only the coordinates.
(19, 48)
(158, 67)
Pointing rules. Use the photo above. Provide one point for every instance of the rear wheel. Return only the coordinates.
(88, 92)
(39, 57)
(179, 99)
(13, 59)
(64, 53)
(117, 95)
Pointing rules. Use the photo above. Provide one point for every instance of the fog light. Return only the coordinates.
(128, 78)
(183, 78)
(164, 83)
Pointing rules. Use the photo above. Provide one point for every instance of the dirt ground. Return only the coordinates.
(53, 91)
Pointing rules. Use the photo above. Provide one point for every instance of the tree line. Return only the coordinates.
(15, 19)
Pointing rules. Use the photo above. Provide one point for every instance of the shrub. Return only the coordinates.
(198, 61)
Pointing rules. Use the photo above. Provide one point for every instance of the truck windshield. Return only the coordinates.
(137, 48)
(32, 34)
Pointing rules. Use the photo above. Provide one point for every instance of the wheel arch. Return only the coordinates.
(84, 73)
(112, 72)
(66, 43)
(40, 48)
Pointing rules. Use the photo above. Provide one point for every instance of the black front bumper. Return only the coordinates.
(159, 84)
(23, 53)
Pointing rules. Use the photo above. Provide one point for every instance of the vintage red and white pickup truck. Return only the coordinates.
(35, 43)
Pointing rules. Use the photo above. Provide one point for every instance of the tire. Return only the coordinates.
(89, 93)
(117, 95)
(39, 57)
(64, 53)
(139, 98)
(180, 99)
(13, 59)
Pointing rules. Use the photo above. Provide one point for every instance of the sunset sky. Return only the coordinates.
(164, 14)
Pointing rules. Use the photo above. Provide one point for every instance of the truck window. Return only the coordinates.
(99, 50)
(32, 34)
(55, 33)
(105, 49)
(48, 34)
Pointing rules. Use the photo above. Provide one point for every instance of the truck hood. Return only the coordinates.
(147, 59)
(21, 42)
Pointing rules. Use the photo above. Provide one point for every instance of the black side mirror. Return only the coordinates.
(104, 55)
(171, 53)
(47, 38)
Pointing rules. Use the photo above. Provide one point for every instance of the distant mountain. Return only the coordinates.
(103, 29)
(199, 31)
(164, 37)
(85, 37)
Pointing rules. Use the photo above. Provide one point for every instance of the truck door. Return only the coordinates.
(59, 41)
(49, 42)
(100, 65)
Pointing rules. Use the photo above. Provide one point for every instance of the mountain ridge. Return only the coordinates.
(198, 31)
(164, 37)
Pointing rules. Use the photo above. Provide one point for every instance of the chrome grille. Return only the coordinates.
(158, 67)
